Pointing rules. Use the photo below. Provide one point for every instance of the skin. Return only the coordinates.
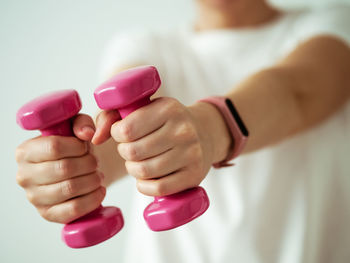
(174, 151)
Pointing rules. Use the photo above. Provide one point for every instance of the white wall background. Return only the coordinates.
(48, 45)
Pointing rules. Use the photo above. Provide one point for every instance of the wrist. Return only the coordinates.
(234, 124)
(213, 131)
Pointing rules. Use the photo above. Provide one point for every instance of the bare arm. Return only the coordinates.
(301, 91)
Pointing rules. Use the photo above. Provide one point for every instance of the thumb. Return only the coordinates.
(83, 127)
(104, 122)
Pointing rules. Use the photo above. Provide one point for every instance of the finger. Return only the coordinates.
(83, 127)
(57, 193)
(51, 172)
(147, 147)
(140, 122)
(158, 166)
(104, 122)
(74, 208)
(167, 185)
(50, 148)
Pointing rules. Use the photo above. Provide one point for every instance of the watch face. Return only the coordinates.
(237, 117)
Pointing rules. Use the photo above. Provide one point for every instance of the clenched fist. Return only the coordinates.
(167, 146)
(59, 174)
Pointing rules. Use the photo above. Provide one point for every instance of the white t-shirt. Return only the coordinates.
(286, 203)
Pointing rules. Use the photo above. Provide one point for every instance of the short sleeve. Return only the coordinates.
(125, 50)
(331, 20)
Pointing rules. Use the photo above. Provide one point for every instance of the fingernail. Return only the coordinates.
(88, 129)
(94, 136)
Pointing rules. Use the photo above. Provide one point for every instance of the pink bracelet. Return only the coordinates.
(238, 130)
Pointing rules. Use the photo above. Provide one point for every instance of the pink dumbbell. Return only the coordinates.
(126, 92)
(51, 114)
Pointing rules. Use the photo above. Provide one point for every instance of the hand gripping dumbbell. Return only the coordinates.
(52, 115)
(126, 92)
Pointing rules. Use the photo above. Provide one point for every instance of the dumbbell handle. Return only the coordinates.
(125, 111)
(63, 128)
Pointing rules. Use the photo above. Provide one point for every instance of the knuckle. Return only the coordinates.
(19, 154)
(142, 189)
(172, 106)
(47, 215)
(125, 131)
(159, 166)
(101, 196)
(73, 210)
(186, 132)
(51, 215)
(31, 198)
(21, 180)
(68, 188)
(131, 153)
(53, 147)
(94, 180)
(171, 102)
(160, 188)
(143, 171)
(63, 167)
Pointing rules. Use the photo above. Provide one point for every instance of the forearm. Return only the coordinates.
(303, 90)
(265, 104)
(269, 107)
(300, 92)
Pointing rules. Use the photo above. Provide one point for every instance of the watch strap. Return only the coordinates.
(239, 133)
